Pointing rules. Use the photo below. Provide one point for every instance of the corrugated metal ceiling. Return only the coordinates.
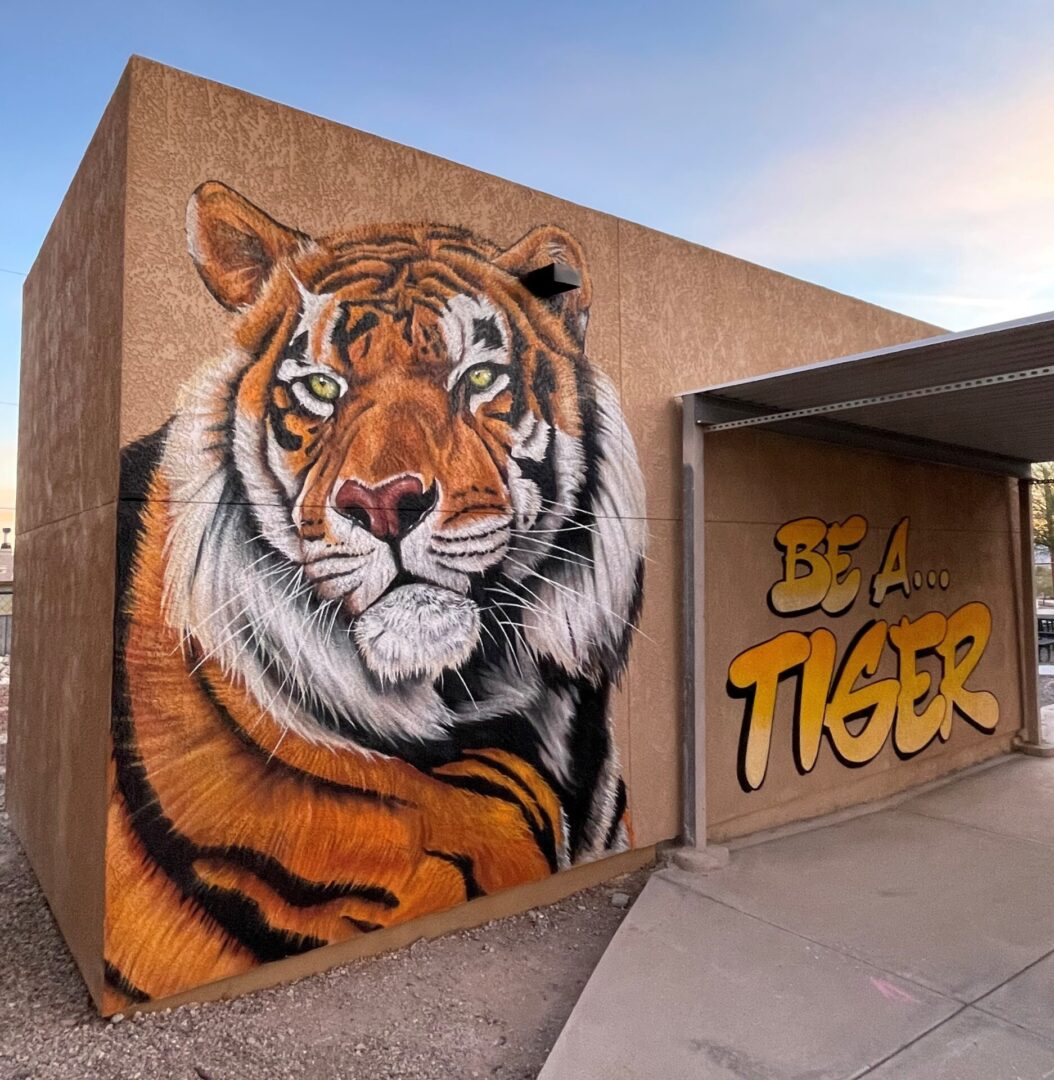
(989, 390)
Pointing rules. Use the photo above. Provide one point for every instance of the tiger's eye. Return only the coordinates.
(480, 378)
(323, 387)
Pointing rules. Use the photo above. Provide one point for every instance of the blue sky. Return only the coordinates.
(899, 151)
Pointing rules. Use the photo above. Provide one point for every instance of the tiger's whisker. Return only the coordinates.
(465, 685)
(590, 600)
(543, 555)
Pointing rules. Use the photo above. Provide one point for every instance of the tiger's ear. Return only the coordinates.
(234, 244)
(547, 244)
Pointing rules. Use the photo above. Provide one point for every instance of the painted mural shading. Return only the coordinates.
(378, 575)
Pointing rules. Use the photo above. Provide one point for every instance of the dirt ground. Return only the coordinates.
(482, 1003)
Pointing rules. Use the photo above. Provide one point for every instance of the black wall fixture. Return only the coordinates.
(551, 279)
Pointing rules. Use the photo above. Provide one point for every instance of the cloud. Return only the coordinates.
(946, 210)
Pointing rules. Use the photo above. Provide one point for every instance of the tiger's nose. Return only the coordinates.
(388, 510)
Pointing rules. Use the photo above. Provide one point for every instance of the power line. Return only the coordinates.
(17, 273)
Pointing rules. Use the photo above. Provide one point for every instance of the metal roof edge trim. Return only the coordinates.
(872, 354)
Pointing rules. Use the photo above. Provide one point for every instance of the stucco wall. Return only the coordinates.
(665, 315)
(960, 526)
(65, 522)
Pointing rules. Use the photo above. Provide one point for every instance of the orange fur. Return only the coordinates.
(254, 785)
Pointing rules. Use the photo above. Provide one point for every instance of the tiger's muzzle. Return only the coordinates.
(388, 510)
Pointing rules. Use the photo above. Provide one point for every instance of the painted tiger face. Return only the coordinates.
(414, 429)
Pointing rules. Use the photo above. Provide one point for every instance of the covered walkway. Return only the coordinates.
(913, 941)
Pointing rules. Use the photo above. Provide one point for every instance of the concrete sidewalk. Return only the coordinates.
(916, 941)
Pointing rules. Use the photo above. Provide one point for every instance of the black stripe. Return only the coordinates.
(454, 233)
(391, 801)
(337, 281)
(239, 916)
(464, 249)
(544, 385)
(294, 889)
(485, 332)
(589, 747)
(387, 240)
(242, 918)
(117, 981)
(265, 342)
(343, 336)
(331, 577)
(510, 773)
(441, 539)
(288, 440)
(543, 475)
(139, 461)
(466, 868)
(297, 348)
(437, 277)
(518, 349)
(470, 554)
(434, 306)
(364, 925)
(616, 821)
(477, 508)
(481, 786)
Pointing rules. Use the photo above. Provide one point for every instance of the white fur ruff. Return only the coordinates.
(275, 627)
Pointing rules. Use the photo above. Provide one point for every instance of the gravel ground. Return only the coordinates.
(482, 1003)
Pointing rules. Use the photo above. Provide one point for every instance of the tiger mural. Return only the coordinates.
(378, 574)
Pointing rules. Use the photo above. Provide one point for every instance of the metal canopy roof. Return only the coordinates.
(981, 398)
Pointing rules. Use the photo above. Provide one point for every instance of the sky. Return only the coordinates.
(898, 151)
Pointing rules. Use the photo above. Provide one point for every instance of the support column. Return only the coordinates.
(695, 854)
(1030, 741)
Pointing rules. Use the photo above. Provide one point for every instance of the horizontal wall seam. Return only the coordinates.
(312, 506)
(64, 517)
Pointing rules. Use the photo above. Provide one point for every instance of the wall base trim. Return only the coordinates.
(1034, 749)
(875, 806)
(863, 789)
(463, 917)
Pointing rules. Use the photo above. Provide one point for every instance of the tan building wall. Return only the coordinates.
(66, 509)
(960, 544)
(115, 288)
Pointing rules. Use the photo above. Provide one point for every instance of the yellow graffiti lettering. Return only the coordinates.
(812, 699)
(845, 582)
(893, 573)
(797, 591)
(875, 703)
(969, 627)
(913, 730)
(755, 674)
(817, 571)
(858, 719)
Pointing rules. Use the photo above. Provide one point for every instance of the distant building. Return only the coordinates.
(7, 566)
(7, 590)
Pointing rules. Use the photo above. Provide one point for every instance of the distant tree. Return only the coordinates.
(1043, 508)
(1043, 578)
